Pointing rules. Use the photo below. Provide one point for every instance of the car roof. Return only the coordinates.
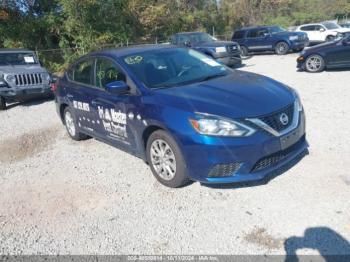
(14, 50)
(256, 27)
(190, 33)
(124, 51)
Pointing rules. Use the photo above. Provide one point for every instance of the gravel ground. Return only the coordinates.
(58, 196)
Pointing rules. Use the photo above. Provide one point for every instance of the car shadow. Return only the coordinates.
(330, 245)
(266, 180)
(30, 102)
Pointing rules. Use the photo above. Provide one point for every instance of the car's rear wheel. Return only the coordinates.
(165, 160)
(244, 51)
(71, 125)
(282, 48)
(2, 103)
(314, 64)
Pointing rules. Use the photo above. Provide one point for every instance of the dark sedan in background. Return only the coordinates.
(335, 54)
(227, 53)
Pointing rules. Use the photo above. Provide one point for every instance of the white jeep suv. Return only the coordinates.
(322, 32)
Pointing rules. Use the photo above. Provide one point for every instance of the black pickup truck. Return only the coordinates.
(227, 53)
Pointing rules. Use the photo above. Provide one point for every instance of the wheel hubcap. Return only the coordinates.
(282, 48)
(70, 123)
(314, 63)
(163, 159)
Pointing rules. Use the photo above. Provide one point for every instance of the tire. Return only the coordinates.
(244, 51)
(165, 160)
(330, 38)
(2, 103)
(281, 48)
(314, 64)
(71, 125)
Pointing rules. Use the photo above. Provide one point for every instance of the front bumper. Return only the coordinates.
(24, 93)
(299, 44)
(230, 60)
(250, 159)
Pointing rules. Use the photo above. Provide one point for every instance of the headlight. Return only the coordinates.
(298, 101)
(10, 78)
(46, 77)
(221, 49)
(293, 38)
(219, 126)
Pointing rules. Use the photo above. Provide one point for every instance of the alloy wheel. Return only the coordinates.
(70, 123)
(163, 159)
(314, 63)
(282, 48)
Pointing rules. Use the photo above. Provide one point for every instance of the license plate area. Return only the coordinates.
(291, 138)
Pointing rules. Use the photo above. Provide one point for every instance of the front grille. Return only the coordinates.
(274, 121)
(275, 158)
(224, 170)
(232, 49)
(28, 79)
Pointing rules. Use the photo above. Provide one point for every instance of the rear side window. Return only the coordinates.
(256, 33)
(238, 35)
(83, 72)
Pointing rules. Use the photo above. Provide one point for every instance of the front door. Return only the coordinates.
(339, 56)
(115, 115)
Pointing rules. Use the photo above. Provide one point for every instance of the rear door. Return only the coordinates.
(79, 90)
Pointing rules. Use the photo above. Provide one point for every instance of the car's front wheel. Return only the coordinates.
(314, 64)
(2, 103)
(282, 48)
(71, 125)
(165, 160)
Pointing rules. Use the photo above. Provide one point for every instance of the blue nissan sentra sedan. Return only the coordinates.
(187, 116)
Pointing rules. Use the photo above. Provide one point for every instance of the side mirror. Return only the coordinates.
(322, 30)
(267, 34)
(117, 87)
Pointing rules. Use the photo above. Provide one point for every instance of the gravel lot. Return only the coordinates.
(58, 196)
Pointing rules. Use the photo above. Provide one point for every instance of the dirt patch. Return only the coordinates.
(26, 145)
(260, 237)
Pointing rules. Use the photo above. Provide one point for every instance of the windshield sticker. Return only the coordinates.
(29, 59)
(210, 62)
(131, 60)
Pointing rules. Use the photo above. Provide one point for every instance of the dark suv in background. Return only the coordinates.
(269, 38)
(227, 53)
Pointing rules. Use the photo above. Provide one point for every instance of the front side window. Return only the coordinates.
(22, 58)
(107, 72)
(83, 72)
(173, 67)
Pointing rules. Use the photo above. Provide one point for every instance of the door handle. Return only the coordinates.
(96, 103)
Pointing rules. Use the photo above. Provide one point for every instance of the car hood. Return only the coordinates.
(322, 46)
(238, 95)
(214, 44)
(19, 69)
(341, 30)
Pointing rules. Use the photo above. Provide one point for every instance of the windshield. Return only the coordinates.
(276, 29)
(173, 67)
(331, 26)
(17, 59)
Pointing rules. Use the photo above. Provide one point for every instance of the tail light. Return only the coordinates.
(53, 86)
